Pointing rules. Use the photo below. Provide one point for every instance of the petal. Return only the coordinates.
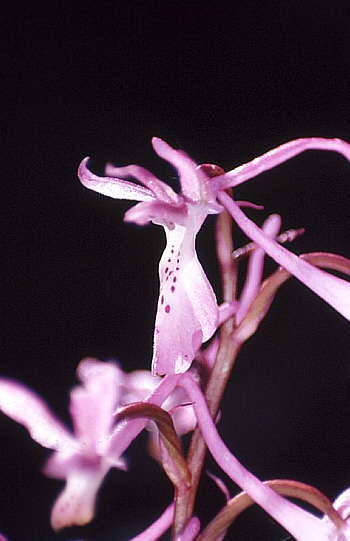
(112, 187)
(28, 409)
(333, 290)
(187, 311)
(342, 504)
(139, 384)
(160, 190)
(76, 503)
(61, 464)
(181, 411)
(277, 156)
(92, 405)
(157, 212)
(192, 179)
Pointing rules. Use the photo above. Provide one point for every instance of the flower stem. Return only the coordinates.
(301, 524)
(293, 489)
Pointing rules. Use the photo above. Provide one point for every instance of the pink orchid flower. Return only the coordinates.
(187, 313)
(82, 458)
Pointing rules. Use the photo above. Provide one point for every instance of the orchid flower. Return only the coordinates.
(187, 313)
(85, 457)
(82, 458)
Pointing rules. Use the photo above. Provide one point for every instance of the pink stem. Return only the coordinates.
(301, 524)
(278, 155)
(333, 290)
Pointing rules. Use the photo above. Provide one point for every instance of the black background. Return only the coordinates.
(225, 82)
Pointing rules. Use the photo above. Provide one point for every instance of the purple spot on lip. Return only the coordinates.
(169, 260)
(174, 279)
(178, 261)
(166, 270)
(162, 299)
(177, 268)
(167, 308)
(172, 289)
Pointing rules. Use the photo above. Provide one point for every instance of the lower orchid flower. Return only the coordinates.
(187, 313)
(83, 458)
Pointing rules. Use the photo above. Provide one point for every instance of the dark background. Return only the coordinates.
(225, 82)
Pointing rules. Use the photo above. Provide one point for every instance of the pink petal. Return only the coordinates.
(28, 409)
(158, 212)
(61, 464)
(342, 504)
(181, 411)
(76, 503)
(124, 433)
(139, 384)
(112, 187)
(193, 180)
(160, 190)
(187, 313)
(330, 288)
(93, 404)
